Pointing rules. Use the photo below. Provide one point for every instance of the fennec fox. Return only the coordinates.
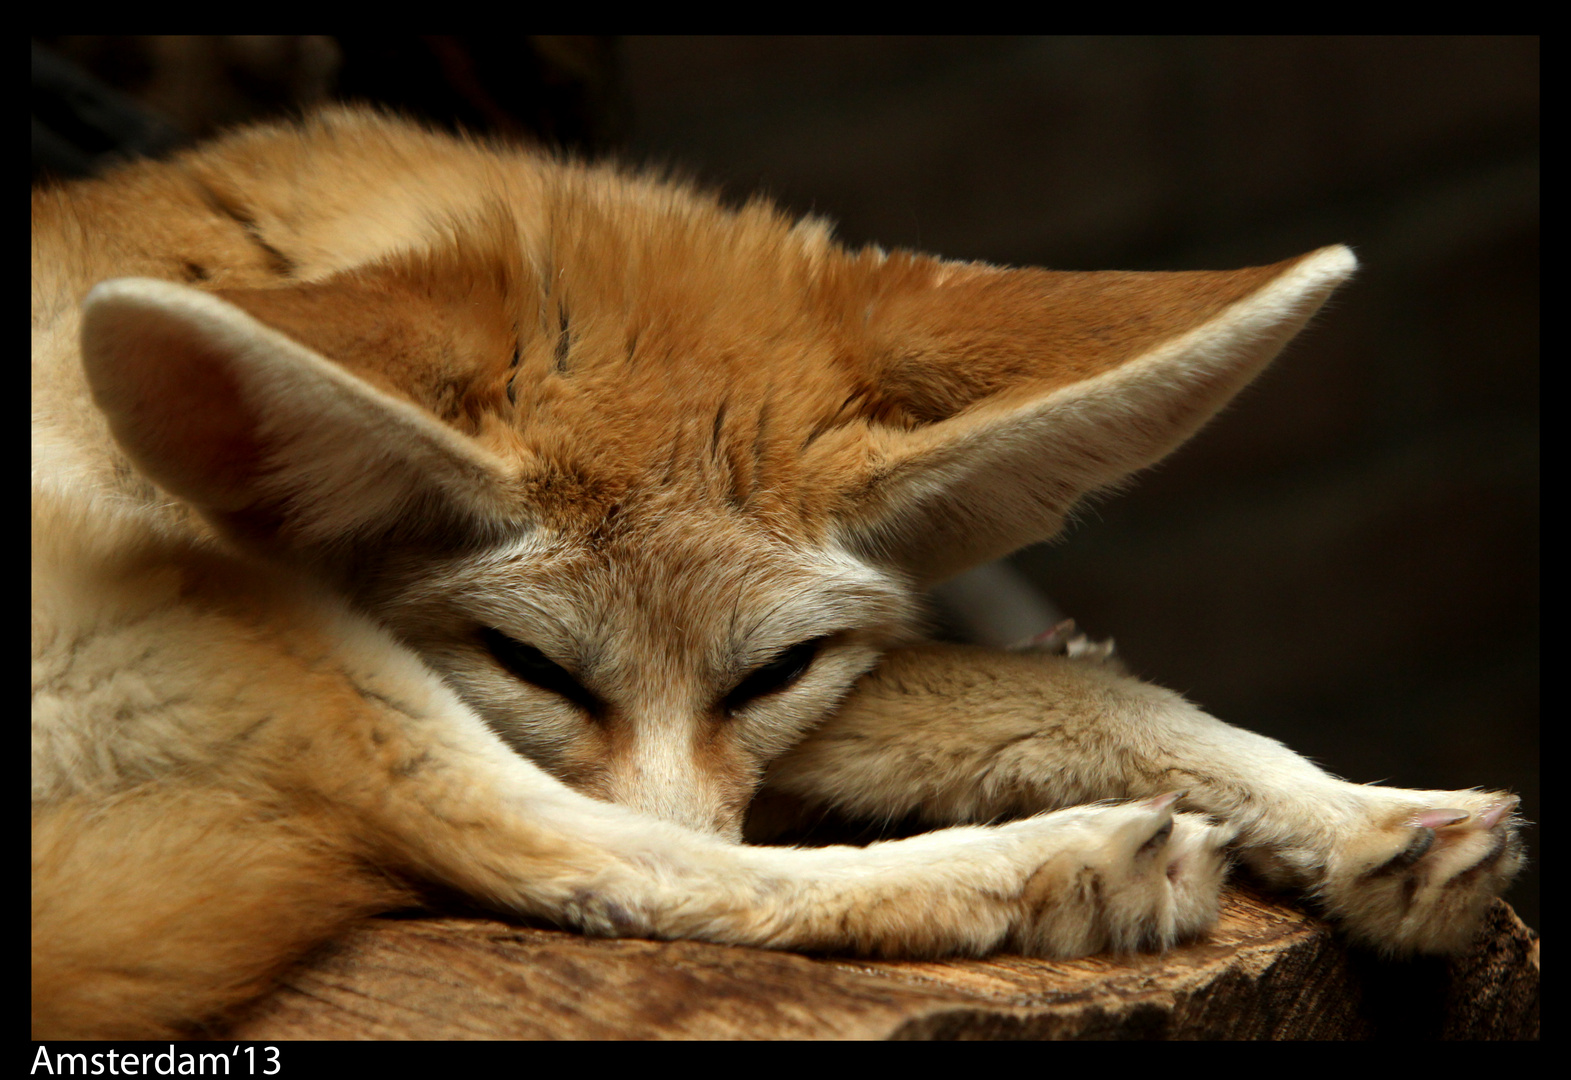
(408, 510)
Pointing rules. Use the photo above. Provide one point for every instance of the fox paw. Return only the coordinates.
(1418, 877)
(1066, 639)
(1123, 877)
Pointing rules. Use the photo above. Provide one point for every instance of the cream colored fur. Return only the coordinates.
(412, 511)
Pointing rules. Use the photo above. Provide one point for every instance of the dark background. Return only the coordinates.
(1346, 560)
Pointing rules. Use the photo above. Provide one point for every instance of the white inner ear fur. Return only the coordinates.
(995, 478)
(177, 370)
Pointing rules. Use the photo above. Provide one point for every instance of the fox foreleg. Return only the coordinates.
(957, 733)
(1062, 884)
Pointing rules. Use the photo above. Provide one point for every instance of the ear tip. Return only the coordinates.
(1315, 275)
(111, 302)
(132, 290)
(136, 305)
(1335, 262)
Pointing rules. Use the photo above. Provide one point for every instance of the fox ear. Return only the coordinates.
(1033, 388)
(272, 442)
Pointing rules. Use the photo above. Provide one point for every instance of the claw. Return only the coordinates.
(1498, 812)
(1439, 818)
(1054, 640)
(1064, 630)
(1066, 639)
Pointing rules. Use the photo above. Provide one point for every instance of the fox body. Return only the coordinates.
(412, 510)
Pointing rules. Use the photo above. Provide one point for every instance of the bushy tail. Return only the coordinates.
(168, 906)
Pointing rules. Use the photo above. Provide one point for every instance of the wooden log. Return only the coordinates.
(1269, 971)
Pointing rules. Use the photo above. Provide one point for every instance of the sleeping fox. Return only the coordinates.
(410, 510)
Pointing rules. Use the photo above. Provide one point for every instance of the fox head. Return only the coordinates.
(650, 481)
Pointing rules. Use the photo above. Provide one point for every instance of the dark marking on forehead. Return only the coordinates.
(838, 419)
(512, 388)
(564, 338)
(760, 443)
(715, 432)
(276, 261)
(611, 527)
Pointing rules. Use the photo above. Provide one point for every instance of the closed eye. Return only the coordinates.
(774, 676)
(537, 669)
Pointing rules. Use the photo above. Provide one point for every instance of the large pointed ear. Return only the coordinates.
(272, 442)
(1024, 390)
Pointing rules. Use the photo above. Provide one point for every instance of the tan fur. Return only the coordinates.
(404, 504)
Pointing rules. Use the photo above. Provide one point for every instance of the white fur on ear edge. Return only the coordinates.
(988, 481)
(232, 415)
